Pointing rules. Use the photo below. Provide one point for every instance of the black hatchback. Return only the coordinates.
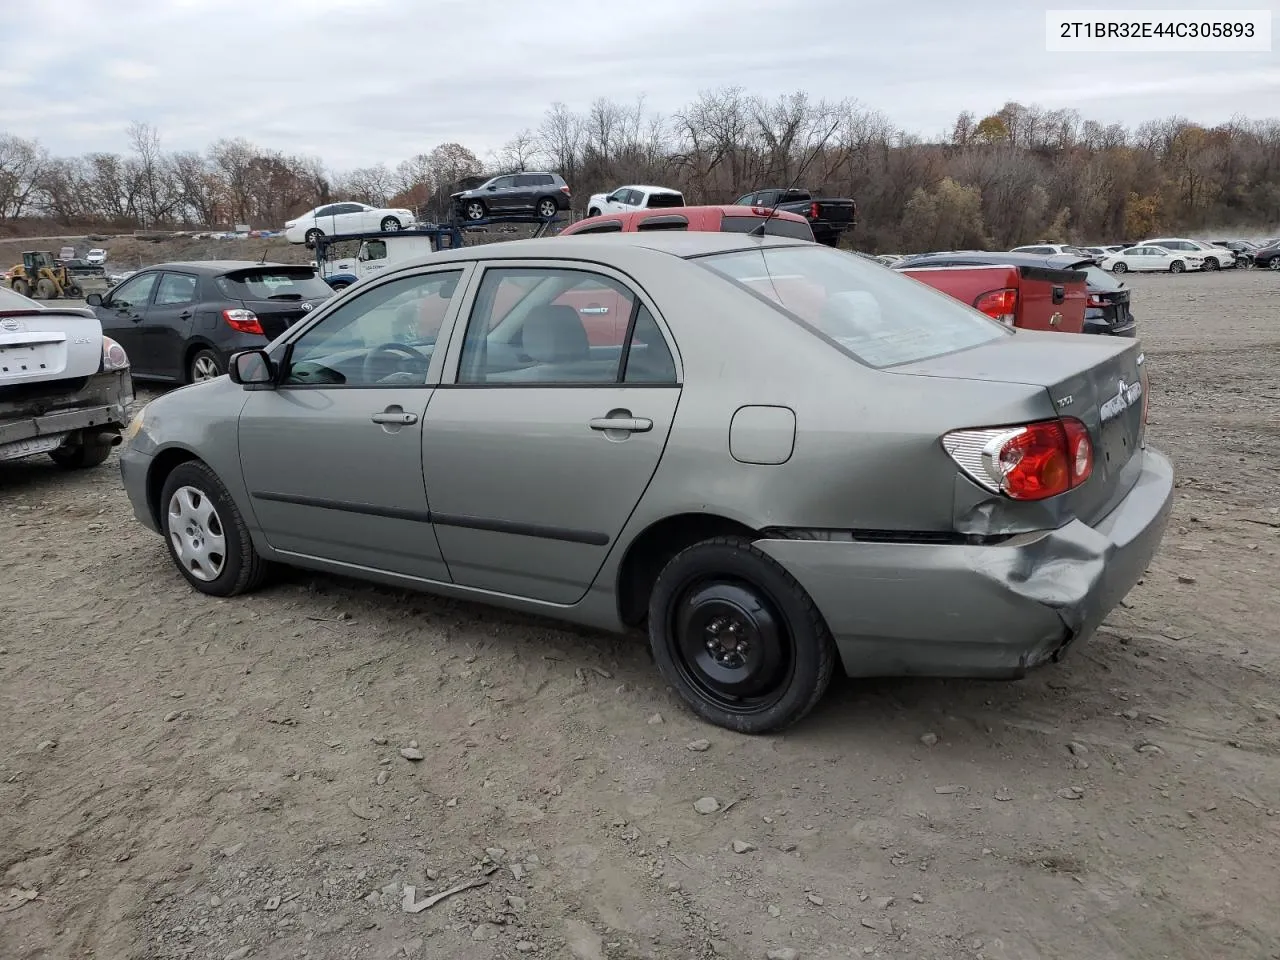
(1107, 309)
(181, 321)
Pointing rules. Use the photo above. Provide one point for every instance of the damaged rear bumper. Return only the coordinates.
(982, 611)
(102, 403)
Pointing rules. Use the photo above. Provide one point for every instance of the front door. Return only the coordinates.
(121, 314)
(332, 458)
(539, 444)
(168, 324)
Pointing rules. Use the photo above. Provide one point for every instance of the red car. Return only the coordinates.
(1026, 297)
(713, 219)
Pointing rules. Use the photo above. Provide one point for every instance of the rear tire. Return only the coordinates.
(738, 638)
(310, 237)
(340, 285)
(207, 537)
(1119, 268)
(203, 365)
(547, 208)
(1177, 266)
(81, 456)
(390, 224)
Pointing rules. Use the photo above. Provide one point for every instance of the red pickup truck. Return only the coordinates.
(726, 218)
(1026, 297)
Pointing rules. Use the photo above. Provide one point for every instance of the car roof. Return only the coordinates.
(995, 258)
(218, 266)
(649, 187)
(612, 247)
(725, 209)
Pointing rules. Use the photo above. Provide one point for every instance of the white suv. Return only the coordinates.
(1215, 258)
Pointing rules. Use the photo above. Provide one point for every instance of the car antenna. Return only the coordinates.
(759, 230)
(264, 255)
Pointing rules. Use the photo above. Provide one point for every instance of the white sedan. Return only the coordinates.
(626, 199)
(335, 218)
(1150, 259)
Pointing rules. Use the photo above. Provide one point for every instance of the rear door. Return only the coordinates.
(169, 323)
(350, 218)
(122, 312)
(537, 445)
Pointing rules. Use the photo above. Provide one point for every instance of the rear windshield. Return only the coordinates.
(776, 227)
(876, 316)
(16, 301)
(1101, 279)
(665, 200)
(274, 283)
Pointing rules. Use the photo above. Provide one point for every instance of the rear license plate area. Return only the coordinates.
(19, 358)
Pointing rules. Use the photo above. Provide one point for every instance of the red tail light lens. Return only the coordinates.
(813, 211)
(1096, 302)
(564, 190)
(1001, 305)
(1034, 461)
(243, 321)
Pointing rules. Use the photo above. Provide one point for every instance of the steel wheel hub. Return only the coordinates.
(196, 533)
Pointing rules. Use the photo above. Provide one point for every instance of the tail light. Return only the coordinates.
(1096, 302)
(813, 211)
(1001, 305)
(565, 190)
(113, 356)
(243, 321)
(1033, 461)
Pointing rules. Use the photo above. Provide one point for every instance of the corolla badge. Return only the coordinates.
(10, 324)
(1126, 395)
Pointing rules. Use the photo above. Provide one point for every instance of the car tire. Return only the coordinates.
(83, 455)
(198, 515)
(310, 237)
(389, 224)
(593, 212)
(1210, 263)
(340, 285)
(785, 655)
(474, 210)
(1177, 266)
(1273, 263)
(1120, 267)
(547, 208)
(204, 364)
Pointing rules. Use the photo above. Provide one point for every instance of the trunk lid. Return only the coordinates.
(280, 295)
(277, 316)
(1100, 381)
(48, 344)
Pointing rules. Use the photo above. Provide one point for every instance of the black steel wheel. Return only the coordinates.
(738, 638)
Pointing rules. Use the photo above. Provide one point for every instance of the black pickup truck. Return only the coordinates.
(829, 217)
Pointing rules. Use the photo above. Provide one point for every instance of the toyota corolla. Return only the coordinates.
(772, 457)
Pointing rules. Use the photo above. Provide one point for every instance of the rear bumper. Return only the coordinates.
(102, 403)
(980, 611)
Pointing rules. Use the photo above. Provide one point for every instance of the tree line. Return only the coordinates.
(1019, 175)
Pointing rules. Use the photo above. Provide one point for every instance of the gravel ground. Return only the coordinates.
(187, 777)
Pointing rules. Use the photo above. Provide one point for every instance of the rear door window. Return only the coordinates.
(873, 315)
(175, 288)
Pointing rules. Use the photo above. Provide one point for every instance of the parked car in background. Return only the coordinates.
(1268, 257)
(1152, 259)
(543, 194)
(742, 508)
(1049, 249)
(1029, 296)
(345, 217)
(626, 199)
(97, 255)
(708, 219)
(1104, 307)
(1211, 257)
(829, 217)
(65, 388)
(180, 322)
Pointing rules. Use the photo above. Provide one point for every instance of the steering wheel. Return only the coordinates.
(369, 367)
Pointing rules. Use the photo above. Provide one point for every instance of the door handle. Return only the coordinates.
(398, 418)
(629, 424)
(185, 315)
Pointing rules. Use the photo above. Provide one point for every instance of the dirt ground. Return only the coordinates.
(186, 777)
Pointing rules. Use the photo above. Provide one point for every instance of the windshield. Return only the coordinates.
(874, 315)
(274, 283)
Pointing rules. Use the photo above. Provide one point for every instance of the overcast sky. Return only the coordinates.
(361, 81)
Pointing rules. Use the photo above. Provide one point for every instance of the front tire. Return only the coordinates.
(738, 638)
(204, 365)
(547, 208)
(593, 212)
(22, 288)
(206, 534)
(390, 224)
(1211, 263)
(1273, 263)
(1177, 266)
(310, 237)
(1120, 267)
(474, 210)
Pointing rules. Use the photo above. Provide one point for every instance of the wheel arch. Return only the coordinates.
(194, 346)
(163, 464)
(654, 546)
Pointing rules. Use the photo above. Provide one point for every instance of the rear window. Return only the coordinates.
(1102, 280)
(16, 301)
(776, 227)
(665, 200)
(273, 283)
(877, 317)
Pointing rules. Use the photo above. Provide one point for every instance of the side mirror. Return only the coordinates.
(491, 187)
(94, 299)
(251, 368)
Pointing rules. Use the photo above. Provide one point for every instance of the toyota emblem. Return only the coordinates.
(307, 306)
